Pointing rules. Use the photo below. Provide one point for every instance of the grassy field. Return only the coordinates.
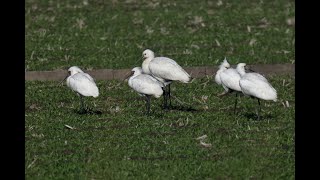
(118, 141)
(112, 34)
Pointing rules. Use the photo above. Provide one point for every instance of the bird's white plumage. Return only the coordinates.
(81, 82)
(145, 84)
(223, 66)
(254, 84)
(230, 79)
(163, 68)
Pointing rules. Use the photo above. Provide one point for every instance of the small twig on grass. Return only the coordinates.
(205, 144)
(202, 137)
(35, 159)
(69, 127)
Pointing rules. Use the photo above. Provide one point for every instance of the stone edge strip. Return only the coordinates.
(120, 74)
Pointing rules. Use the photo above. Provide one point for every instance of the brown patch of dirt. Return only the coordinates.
(183, 124)
(160, 158)
(117, 126)
(159, 134)
(33, 107)
(68, 152)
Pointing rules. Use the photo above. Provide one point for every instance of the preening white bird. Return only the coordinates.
(164, 70)
(255, 85)
(230, 81)
(223, 66)
(82, 83)
(145, 85)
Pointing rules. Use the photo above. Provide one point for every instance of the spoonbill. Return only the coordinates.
(82, 83)
(256, 86)
(223, 66)
(230, 81)
(145, 85)
(164, 70)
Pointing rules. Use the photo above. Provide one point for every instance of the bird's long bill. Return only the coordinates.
(128, 75)
(62, 81)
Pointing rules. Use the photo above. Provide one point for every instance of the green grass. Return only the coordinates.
(123, 143)
(103, 34)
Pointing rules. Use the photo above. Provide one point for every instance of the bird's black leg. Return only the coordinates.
(148, 103)
(235, 104)
(164, 98)
(82, 104)
(259, 109)
(169, 96)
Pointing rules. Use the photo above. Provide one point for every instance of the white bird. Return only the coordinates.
(165, 70)
(223, 66)
(82, 83)
(145, 85)
(230, 81)
(256, 86)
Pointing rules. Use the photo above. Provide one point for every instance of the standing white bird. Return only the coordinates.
(223, 66)
(165, 70)
(145, 85)
(82, 83)
(256, 86)
(230, 81)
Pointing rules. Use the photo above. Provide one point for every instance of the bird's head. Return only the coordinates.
(241, 65)
(135, 71)
(74, 70)
(147, 54)
(71, 71)
(225, 63)
(245, 67)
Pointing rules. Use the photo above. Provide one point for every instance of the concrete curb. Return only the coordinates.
(119, 74)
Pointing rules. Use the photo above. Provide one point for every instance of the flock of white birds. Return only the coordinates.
(157, 73)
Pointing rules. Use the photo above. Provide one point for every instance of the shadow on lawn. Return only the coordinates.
(183, 108)
(88, 111)
(254, 116)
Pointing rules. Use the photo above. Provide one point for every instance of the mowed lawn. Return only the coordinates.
(112, 34)
(117, 141)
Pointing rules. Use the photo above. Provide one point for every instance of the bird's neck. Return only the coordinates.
(73, 73)
(130, 79)
(68, 81)
(145, 66)
(241, 71)
(221, 69)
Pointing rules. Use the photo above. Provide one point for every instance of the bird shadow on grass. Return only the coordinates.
(183, 108)
(87, 111)
(160, 114)
(254, 116)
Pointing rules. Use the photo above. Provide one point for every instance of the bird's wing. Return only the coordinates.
(168, 69)
(146, 85)
(83, 85)
(256, 76)
(230, 78)
(154, 79)
(217, 77)
(88, 76)
(257, 87)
